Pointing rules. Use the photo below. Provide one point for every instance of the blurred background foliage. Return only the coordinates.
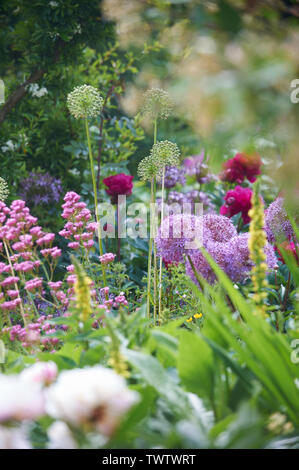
(228, 65)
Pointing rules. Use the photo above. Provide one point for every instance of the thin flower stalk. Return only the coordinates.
(15, 284)
(95, 199)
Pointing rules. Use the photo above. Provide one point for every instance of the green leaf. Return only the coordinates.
(155, 375)
(195, 364)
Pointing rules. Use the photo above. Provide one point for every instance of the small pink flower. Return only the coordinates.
(107, 258)
(9, 281)
(10, 304)
(71, 279)
(74, 245)
(33, 284)
(88, 244)
(120, 299)
(12, 293)
(55, 285)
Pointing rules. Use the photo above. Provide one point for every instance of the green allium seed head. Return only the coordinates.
(157, 103)
(149, 169)
(85, 101)
(166, 153)
(4, 191)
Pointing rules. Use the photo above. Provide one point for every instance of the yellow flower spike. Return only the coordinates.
(82, 291)
(83, 298)
(256, 243)
(189, 320)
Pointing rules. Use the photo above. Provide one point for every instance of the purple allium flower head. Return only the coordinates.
(277, 225)
(178, 231)
(40, 188)
(191, 197)
(239, 263)
(174, 235)
(218, 228)
(232, 256)
(173, 176)
(217, 232)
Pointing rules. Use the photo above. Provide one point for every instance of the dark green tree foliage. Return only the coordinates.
(42, 43)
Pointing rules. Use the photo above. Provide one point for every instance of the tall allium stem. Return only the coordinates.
(155, 248)
(149, 261)
(150, 248)
(95, 194)
(155, 255)
(160, 266)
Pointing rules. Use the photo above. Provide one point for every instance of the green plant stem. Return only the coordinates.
(95, 194)
(149, 261)
(155, 248)
(286, 295)
(15, 284)
(155, 258)
(160, 263)
(150, 247)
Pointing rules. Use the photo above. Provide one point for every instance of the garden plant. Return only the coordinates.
(149, 228)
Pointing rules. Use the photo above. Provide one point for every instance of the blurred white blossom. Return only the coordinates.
(20, 399)
(36, 91)
(93, 396)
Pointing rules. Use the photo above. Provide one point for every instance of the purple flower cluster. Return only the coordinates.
(191, 197)
(195, 166)
(40, 189)
(219, 238)
(38, 332)
(174, 234)
(277, 225)
(173, 176)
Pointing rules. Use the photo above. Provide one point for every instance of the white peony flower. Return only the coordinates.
(41, 372)
(13, 438)
(94, 395)
(20, 399)
(60, 436)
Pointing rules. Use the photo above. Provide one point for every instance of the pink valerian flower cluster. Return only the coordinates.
(23, 238)
(220, 240)
(78, 229)
(107, 258)
(34, 284)
(18, 223)
(39, 332)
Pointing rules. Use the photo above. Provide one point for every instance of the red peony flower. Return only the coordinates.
(119, 184)
(242, 166)
(290, 248)
(237, 200)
